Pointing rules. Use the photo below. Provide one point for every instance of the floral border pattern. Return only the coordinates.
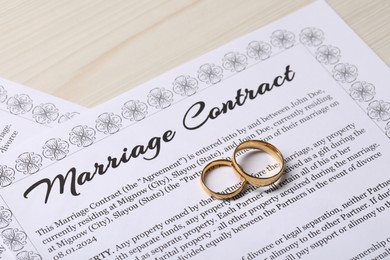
(347, 76)
(159, 98)
(21, 104)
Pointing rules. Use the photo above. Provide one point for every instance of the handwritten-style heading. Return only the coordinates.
(75, 179)
(196, 116)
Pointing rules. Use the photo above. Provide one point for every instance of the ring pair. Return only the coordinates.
(244, 177)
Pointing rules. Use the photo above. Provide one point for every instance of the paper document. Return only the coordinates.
(122, 180)
(26, 113)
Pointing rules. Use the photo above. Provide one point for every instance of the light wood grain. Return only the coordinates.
(92, 50)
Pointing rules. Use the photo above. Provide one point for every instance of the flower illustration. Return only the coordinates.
(14, 238)
(311, 36)
(345, 72)
(234, 61)
(282, 39)
(28, 163)
(55, 149)
(259, 50)
(387, 129)
(185, 85)
(160, 98)
(379, 110)
(65, 117)
(5, 217)
(28, 255)
(19, 104)
(45, 113)
(210, 73)
(82, 136)
(108, 123)
(328, 54)
(362, 91)
(3, 94)
(6, 175)
(134, 110)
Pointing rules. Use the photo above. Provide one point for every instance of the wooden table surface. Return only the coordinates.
(88, 51)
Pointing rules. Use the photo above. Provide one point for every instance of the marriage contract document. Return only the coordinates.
(122, 180)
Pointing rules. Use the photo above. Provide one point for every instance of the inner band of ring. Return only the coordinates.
(218, 163)
(263, 146)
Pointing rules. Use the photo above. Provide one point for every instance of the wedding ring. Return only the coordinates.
(269, 149)
(221, 195)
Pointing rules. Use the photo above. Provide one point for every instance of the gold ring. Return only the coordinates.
(263, 146)
(215, 164)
